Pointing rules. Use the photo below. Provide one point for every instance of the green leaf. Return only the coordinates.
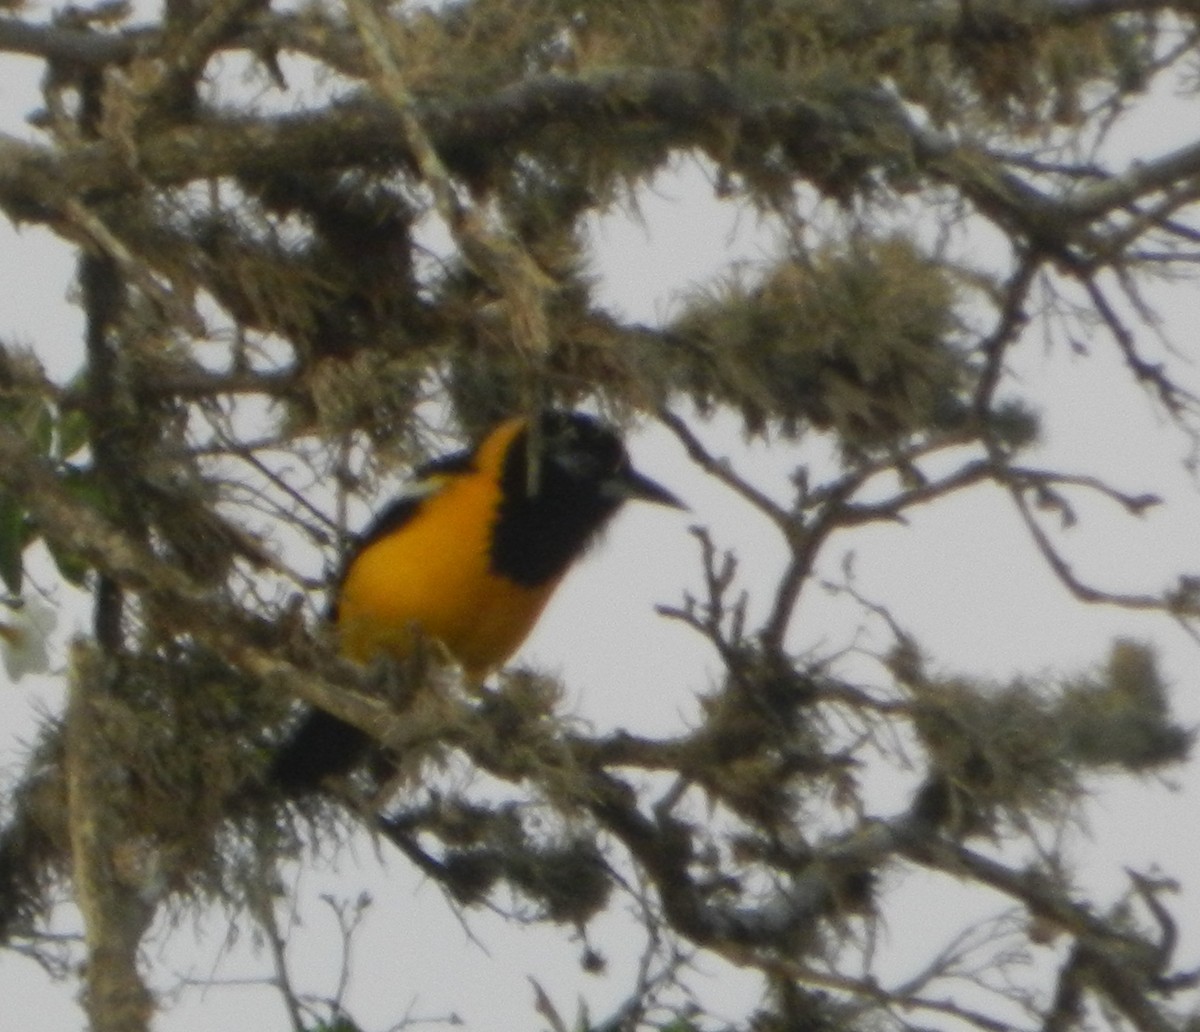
(71, 565)
(40, 427)
(73, 433)
(13, 539)
(81, 484)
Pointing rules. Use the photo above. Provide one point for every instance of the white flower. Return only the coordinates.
(25, 628)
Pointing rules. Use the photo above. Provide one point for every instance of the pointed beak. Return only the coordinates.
(632, 485)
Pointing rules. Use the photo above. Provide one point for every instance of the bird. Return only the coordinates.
(468, 556)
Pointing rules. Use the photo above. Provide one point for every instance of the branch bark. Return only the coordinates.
(688, 108)
(113, 878)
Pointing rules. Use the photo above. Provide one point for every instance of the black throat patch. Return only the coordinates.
(538, 535)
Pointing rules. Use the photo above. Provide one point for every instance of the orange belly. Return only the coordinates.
(433, 573)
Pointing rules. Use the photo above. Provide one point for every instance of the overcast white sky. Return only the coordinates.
(961, 575)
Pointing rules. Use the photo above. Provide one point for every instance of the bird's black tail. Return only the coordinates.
(321, 747)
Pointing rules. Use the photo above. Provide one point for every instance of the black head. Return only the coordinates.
(548, 513)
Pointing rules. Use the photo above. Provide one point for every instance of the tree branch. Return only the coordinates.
(113, 873)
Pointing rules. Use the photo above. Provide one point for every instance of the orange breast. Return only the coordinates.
(433, 573)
